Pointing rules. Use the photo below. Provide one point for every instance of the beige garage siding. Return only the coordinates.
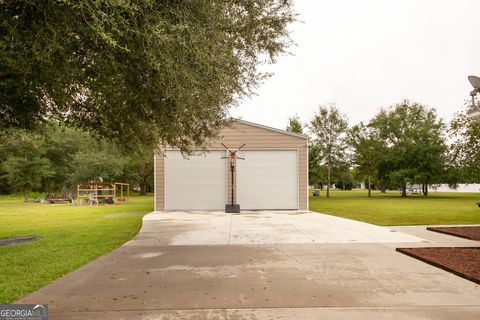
(255, 137)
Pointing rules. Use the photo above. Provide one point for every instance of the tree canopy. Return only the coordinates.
(403, 145)
(139, 72)
(413, 144)
(54, 159)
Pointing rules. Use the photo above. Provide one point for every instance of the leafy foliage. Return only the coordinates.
(329, 128)
(413, 145)
(399, 146)
(295, 125)
(367, 148)
(26, 167)
(57, 158)
(98, 164)
(465, 133)
(138, 72)
(316, 172)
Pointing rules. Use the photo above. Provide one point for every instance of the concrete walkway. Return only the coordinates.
(181, 268)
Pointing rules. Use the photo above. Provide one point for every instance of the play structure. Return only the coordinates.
(95, 193)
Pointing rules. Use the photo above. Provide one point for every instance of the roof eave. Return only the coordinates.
(297, 135)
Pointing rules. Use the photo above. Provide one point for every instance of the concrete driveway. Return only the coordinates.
(263, 266)
(266, 227)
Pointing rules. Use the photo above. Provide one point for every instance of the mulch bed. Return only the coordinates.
(464, 262)
(472, 233)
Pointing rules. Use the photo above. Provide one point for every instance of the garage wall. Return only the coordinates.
(255, 137)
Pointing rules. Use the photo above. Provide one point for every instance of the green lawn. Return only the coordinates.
(391, 209)
(72, 236)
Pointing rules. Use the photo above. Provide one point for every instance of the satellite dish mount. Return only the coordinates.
(475, 81)
(232, 157)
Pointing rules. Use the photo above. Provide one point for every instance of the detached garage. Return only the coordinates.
(272, 176)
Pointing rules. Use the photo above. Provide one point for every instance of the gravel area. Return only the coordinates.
(464, 262)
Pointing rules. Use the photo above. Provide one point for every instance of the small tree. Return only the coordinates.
(295, 125)
(366, 147)
(27, 167)
(329, 128)
(315, 170)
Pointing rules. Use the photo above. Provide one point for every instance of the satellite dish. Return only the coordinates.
(475, 81)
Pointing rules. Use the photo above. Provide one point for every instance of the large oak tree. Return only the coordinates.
(141, 72)
(412, 147)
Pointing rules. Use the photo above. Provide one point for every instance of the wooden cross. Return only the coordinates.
(232, 157)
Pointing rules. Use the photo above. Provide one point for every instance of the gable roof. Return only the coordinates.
(298, 135)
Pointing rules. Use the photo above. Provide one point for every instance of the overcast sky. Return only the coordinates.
(363, 55)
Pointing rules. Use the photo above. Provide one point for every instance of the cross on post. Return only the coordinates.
(232, 157)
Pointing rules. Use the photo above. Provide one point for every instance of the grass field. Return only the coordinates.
(391, 209)
(71, 237)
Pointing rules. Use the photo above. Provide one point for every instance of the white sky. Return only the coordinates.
(363, 55)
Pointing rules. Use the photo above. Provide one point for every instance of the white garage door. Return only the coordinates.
(195, 183)
(267, 180)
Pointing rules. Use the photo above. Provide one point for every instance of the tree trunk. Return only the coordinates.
(144, 183)
(25, 195)
(404, 190)
(425, 189)
(382, 189)
(143, 188)
(369, 187)
(328, 182)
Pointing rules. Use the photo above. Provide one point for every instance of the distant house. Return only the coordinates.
(462, 187)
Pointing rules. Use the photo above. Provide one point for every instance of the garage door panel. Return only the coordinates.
(196, 182)
(267, 179)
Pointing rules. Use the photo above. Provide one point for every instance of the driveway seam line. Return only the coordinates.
(268, 308)
(294, 227)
